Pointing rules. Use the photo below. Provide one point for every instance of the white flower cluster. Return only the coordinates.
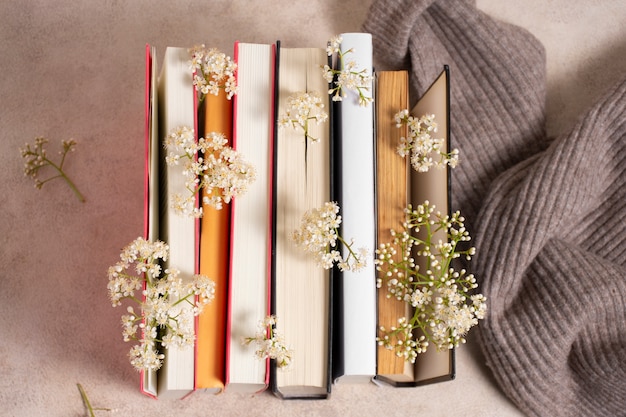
(420, 145)
(303, 108)
(210, 165)
(37, 158)
(214, 70)
(348, 77)
(270, 344)
(162, 322)
(443, 309)
(318, 234)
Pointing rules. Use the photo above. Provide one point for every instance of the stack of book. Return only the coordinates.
(328, 317)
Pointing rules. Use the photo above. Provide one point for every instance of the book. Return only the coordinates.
(215, 114)
(176, 108)
(301, 288)
(148, 379)
(392, 197)
(434, 185)
(355, 297)
(250, 254)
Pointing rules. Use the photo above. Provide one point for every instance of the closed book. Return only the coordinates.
(301, 288)
(177, 108)
(392, 198)
(215, 115)
(355, 295)
(251, 232)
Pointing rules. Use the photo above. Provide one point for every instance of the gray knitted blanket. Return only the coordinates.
(548, 217)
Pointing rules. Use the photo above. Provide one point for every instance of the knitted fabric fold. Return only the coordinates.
(548, 217)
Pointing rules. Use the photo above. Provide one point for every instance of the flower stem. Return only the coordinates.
(83, 394)
(69, 182)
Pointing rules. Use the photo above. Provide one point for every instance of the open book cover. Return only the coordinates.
(431, 366)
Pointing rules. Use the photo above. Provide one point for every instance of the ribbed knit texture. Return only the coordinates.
(548, 217)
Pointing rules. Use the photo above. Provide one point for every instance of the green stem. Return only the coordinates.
(345, 244)
(83, 394)
(59, 169)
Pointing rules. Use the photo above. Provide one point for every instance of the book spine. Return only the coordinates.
(356, 137)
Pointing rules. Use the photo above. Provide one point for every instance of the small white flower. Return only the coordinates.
(348, 77)
(37, 158)
(214, 71)
(210, 165)
(270, 344)
(444, 310)
(159, 315)
(302, 109)
(318, 235)
(424, 150)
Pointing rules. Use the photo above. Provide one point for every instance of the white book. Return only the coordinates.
(357, 322)
(176, 108)
(251, 217)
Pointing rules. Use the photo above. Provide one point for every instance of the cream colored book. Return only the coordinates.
(301, 298)
(176, 108)
(250, 262)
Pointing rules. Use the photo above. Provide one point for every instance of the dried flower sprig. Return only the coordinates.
(348, 76)
(214, 71)
(302, 109)
(425, 151)
(319, 233)
(209, 164)
(443, 308)
(270, 343)
(161, 322)
(37, 158)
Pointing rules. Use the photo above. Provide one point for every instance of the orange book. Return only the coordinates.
(392, 199)
(215, 115)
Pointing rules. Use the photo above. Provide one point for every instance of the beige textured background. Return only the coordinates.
(76, 69)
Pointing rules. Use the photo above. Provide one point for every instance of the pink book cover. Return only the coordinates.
(146, 176)
(146, 204)
(197, 225)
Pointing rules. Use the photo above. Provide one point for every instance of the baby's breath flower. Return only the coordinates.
(318, 234)
(270, 344)
(209, 164)
(423, 150)
(37, 158)
(160, 295)
(348, 77)
(334, 45)
(443, 309)
(214, 71)
(303, 108)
